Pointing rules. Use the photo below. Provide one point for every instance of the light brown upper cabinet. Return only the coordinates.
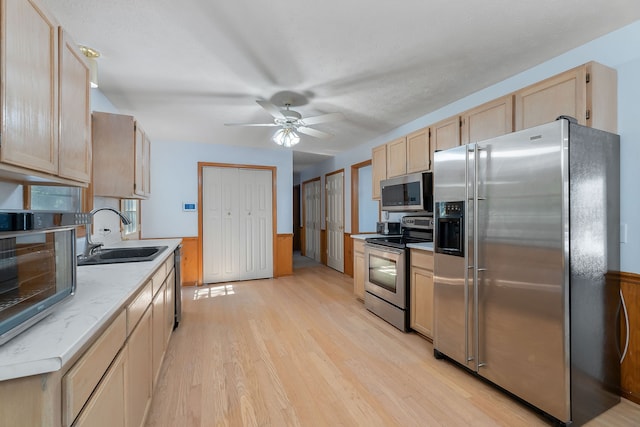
(445, 134)
(378, 169)
(397, 157)
(29, 86)
(75, 112)
(588, 93)
(418, 151)
(121, 155)
(489, 120)
(407, 154)
(41, 73)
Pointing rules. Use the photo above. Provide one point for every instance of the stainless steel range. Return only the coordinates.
(386, 270)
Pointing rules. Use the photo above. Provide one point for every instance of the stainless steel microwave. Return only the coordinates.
(408, 193)
(37, 266)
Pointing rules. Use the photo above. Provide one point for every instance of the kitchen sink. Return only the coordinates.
(119, 255)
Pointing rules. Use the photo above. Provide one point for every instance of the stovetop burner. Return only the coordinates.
(396, 241)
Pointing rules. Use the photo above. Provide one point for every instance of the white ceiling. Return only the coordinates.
(184, 68)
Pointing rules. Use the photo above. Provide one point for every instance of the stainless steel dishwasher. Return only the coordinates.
(177, 259)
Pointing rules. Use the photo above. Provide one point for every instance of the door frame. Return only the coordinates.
(274, 207)
(303, 198)
(355, 197)
(326, 213)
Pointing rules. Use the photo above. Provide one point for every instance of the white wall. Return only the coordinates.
(367, 207)
(618, 50)
(174, 180)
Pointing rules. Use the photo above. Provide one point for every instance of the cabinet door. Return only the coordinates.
(170, 304)
(106, 408)
(378, 169)
(397, 157)
(564, 94)
(113, 155)
(75, 117)
(489, 120)
(422, 301)
(138, 372)
(146, 166)
(139, 167)
(445, 134)
(418, 151)
(159, 334)
(29, 86)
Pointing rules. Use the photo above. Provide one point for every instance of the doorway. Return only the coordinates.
(311, 218)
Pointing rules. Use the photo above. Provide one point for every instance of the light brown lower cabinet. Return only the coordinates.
(421, 310)
(106, 408)
(159, 328)
(138, 371)
(111, 382)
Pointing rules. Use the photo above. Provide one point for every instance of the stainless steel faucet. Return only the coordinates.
(90, 246)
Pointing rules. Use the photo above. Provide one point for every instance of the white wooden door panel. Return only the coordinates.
(335, 221)
(237, 224)
(312, 193)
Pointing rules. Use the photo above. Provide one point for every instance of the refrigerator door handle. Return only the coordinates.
(476, 317)
(626, 323)
(466, 257)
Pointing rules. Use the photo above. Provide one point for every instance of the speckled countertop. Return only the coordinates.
(423, 246)
(366, 236)
(101, 291)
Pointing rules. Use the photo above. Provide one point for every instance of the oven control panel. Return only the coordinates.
(423, 222)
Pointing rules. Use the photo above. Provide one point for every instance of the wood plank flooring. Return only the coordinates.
(302, 351)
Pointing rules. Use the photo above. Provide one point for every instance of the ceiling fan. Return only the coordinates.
(290, 122)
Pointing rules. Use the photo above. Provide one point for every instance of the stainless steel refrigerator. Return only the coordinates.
(526, 230)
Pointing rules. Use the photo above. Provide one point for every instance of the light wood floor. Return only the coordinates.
(302, 351)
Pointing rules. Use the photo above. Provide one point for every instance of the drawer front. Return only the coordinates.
(84, 376)
(358, 245)
(422, 259)
(136, 309)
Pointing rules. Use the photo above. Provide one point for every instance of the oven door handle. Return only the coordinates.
(382, 248)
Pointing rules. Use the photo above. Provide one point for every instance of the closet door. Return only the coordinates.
(255, 231)
(237, 224)
(212, 225)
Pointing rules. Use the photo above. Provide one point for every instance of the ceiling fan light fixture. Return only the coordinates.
(286, 137)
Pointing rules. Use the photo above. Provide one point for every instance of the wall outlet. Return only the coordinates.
(623, 233)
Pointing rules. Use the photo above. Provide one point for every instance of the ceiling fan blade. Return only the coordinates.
(271, 109)
(331, 117)
(250, 124)
(314, 132)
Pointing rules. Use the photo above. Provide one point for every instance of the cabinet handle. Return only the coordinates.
(626, 323)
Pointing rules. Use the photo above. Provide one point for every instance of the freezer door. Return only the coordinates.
(522, 266)
(453, 326)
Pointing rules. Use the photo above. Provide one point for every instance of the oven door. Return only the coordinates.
(385, 273)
